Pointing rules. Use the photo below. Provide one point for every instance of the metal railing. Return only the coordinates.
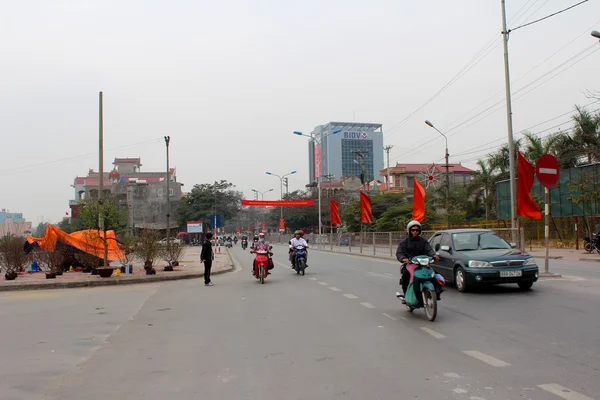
(378, 244)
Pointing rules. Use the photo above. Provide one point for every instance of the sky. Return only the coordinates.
(230, 80)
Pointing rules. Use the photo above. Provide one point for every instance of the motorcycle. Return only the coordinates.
(261, 264)
(422, 275)
(590, 245)
(244, 244)
(228, 244)
(300, 264)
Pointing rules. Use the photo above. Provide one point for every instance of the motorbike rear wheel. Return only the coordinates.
(261, 273)
(429, 304)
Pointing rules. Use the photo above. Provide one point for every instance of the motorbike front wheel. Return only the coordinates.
(430, 304)
(302, 266)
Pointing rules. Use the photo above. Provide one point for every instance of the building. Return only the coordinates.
(13, 224)
(430, 175)
(356, 148)
(144, 194)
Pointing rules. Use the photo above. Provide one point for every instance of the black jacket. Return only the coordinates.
(206, 253)
(412, 247)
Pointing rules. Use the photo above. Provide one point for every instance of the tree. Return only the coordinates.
(299, 217)
(585, 191)
(13, 258)
(172, 254)
(484, 183)
(203, 199)
(148, 248)
(535, 146)
(586, 134)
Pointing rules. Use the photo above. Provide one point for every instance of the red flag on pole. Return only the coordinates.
(418, 202)
(335, 212)
(526, 207)
(366, 214)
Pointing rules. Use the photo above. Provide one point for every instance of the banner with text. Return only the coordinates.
(278, 203)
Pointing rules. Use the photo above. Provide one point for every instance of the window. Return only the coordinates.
(435, 242)
(446, 240)
(478, 241)
(351, 162)
(171, 192)
(159, 192)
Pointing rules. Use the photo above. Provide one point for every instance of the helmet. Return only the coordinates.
(301, 232)
(260, 235)
(413, 223)
(297, 233)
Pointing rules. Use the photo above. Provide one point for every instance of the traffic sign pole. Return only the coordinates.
(547, 170)
(547, 229)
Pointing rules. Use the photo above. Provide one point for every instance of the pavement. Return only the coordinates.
(189, 268)
(338, 332)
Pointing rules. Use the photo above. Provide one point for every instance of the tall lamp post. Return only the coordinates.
(447, 172)
(318, 140)
(596, 34)
(167, 141)
(262, 197)
(281, 184)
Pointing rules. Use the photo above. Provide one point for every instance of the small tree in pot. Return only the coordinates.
(128, 244)
(13, 258)
(148, 249)
(52, 261)
(172, 255)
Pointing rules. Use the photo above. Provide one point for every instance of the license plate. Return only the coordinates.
(510, 274)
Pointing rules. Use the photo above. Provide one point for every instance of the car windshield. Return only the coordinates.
(469, 241)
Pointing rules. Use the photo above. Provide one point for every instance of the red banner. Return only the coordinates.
(278, 203)
(318, 161)
(237, 230)
(281, 225)
(366, 214)
(264, 227)
(335, 212)
(418, 202)
(249, 228)
(526, 207)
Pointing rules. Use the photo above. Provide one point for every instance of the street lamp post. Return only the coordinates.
(596, 34)
(167, 142)
(313, 137)
(447, 172)
(262, 197)
(281, 185)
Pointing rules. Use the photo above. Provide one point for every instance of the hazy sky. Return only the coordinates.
(230, 80)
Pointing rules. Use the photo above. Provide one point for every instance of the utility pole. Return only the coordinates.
(167, 141)
(511, 144)
(362, 167)
(387, 151)
(446, 156)
(101, 221)
(286, 184)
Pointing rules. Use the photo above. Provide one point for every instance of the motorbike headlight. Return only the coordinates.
(479, 264)
(433, 274)
(529, 261)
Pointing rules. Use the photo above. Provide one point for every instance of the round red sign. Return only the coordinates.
(547, 170)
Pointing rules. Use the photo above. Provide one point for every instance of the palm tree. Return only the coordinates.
(500, 160)
(586, 134)
(535, 146)
(484, 181)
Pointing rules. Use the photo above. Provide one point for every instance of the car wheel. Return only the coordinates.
(525, 285)
(460, 280)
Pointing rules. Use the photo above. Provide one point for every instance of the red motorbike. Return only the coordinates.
(261, 264)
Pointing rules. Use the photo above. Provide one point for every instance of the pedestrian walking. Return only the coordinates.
(207, 256)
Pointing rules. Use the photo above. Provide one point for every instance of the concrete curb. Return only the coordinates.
(111, 282)
(589, 260)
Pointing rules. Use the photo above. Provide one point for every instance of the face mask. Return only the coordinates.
(261, 239)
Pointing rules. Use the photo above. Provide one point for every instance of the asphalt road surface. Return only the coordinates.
(338, 332)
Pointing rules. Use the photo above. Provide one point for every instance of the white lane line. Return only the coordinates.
(433, 333)
(493, 361)
(324, 283)
(563, 392)
(389, 316)
(368, 305)
(335, 289)
(313, 279)
(350, 296)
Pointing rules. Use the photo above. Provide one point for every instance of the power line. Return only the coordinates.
(548, 16)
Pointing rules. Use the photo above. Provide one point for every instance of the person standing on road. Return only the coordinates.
(207, 256)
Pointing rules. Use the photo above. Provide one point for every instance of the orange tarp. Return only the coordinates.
(89, 241)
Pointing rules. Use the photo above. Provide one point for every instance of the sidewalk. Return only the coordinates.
(189, 268)
(565, 254)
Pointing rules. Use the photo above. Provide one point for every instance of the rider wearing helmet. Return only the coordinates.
(297, 240)
(262, 244)
(414, 245)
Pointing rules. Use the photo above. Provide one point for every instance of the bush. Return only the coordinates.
(12, 254)
(52, 261)
(172, 254)
(148, 248)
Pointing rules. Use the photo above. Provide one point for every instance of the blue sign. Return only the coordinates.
(220, 221)
(355, 135)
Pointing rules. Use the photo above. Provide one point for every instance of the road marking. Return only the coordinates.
(563, 392)
(368, 305)
(493, 361)
(313, 279)
(433, 333)
(324, 283)
(350, 296)
(335, 289)
(389, 316)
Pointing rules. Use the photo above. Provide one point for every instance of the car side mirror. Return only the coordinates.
(513, 245)
(445, 248)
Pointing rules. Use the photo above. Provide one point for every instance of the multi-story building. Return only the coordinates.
(402, 176)
(13, 224)
(356, 149)
(144, 194)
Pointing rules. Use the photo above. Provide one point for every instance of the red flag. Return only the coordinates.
(526, 207)
(418, 202)
(366, 214)
(335, 212)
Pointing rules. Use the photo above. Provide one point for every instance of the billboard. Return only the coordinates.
(281, 225)
(216, 221)
(318, 160)
(194, 226)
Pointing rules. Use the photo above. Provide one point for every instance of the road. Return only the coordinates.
(338, 332)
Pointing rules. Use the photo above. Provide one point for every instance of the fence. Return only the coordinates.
(381, 244)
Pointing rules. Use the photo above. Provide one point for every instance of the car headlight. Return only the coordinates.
(529, 261)
(479, 264)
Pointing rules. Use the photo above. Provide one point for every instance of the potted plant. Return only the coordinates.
(148, 249)
(13, 258)
(86, 256)
(52, 260)
(172, 253)
(128, 244)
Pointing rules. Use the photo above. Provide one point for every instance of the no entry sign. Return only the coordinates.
(547, 170)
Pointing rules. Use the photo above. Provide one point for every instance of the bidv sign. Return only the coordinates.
(355, 135)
